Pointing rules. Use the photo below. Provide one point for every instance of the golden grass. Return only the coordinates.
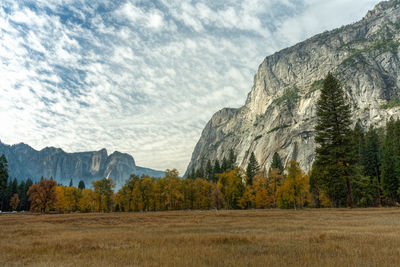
(329, 237)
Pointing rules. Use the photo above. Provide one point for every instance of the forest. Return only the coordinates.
(353, 168)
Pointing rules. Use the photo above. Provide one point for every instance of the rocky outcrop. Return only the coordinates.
(279, 113)
(25, 162)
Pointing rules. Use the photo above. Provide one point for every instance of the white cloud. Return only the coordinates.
(141, 78)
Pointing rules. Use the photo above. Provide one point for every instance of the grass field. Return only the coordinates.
(329, 237)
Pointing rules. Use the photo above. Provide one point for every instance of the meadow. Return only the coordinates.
(314, 237)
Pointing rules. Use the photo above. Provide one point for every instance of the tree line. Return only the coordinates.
(352, 168)
(231, 190)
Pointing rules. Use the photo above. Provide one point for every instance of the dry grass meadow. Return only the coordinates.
(328, 237)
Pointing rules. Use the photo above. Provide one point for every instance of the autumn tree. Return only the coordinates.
(294, 191)
(263, 198)
(148, 194)
(103, 190)
(274, 183)
(248, 198)
(231, 186)
(125, 193)
(173, 190)
(87, 202)
(14, 202)
(216, 196)
(42, 196)
(201, 192)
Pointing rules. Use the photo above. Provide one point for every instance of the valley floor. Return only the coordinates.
(325, 237)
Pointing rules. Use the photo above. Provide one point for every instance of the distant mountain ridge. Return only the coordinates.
(279, 114)
(25, 162)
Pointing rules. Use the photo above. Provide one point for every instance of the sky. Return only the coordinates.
(141, 77)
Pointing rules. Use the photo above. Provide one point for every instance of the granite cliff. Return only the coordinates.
(25, 162)
(279, 113)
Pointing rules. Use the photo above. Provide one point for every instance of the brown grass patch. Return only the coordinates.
(329, 237)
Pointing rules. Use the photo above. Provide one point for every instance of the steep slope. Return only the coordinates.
(25, 162)
(279, 113)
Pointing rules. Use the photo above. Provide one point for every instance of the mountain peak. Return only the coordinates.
(25, 162)
(280, 111)
(382, 7)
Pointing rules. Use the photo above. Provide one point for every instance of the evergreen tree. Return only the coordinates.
(8, 195)
(3, 179)
(199, 173)
(372, 159)
(70, 182)
(209, 173)
(359, 143)
(277, 163)
(28, 184)
(81, 185)
(14, 187)
(335, 159)
(252, 168)
(22, 195)
(232, 160)
(224, 166)
(217, 167)
(192, 174)
(390, 161)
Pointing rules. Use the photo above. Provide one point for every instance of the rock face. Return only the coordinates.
(279, 113)
(25, 162)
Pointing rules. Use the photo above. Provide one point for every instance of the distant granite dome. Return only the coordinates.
(25, 162)
(280, 111)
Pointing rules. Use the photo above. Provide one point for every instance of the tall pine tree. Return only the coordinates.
(372, 159)
(232, 160)
(81, 185)
(224, 166)
(390, 162)
(335, 160)
(3, 179)
(277, 163)
(252, 168)
(209, 173)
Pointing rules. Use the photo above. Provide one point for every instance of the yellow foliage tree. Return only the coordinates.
(148, 188)
(202, 194)
(173, 190)
(262, 197)
(231, 186)
(87, 203)
(248, 198)
(274, 183)
(103, 194)
(14, 202)
(294, 191)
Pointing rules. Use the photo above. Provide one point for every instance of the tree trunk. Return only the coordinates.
(349, 193)
(378, 178)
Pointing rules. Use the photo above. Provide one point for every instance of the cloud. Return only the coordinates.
(140, 77)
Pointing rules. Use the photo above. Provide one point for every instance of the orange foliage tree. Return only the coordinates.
(42, 196)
